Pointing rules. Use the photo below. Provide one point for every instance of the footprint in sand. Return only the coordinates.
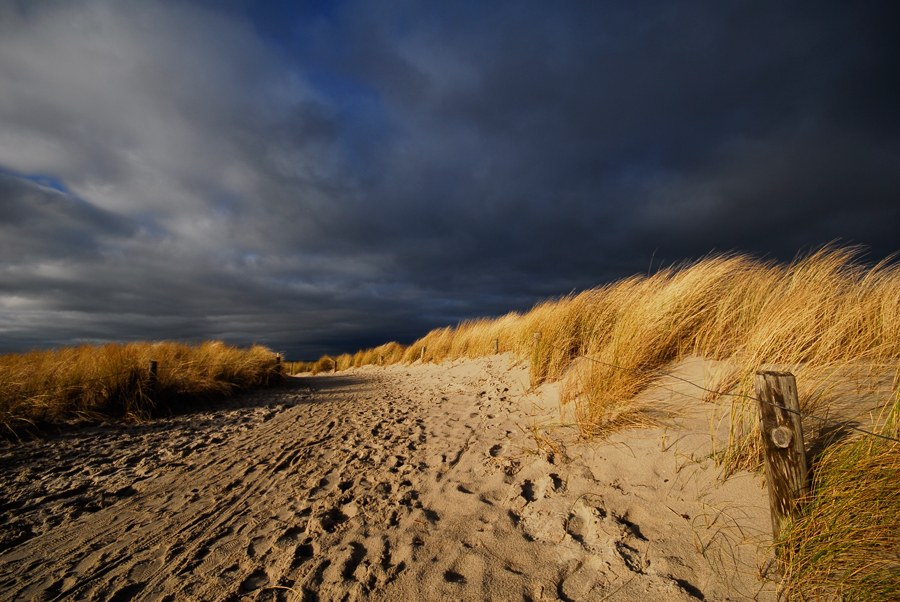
(256, 580)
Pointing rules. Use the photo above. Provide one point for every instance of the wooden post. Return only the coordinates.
(496, 346)
(782, 440)
(422, 357)
(153, 376)
(537, 339)
(277, 358)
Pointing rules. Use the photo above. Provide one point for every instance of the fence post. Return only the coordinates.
(152, 373)
(782, 439)
(537, 338)
(422, 356)
(496, 346)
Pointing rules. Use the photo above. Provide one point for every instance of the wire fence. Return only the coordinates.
(659, 372)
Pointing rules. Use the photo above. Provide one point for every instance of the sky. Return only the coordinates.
(320, 177)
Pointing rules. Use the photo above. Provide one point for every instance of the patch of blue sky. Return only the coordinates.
(45, 180)
(365, 121)
(286, 24)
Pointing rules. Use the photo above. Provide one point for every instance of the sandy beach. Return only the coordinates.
(421, 482)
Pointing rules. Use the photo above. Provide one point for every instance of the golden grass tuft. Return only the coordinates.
(826, 317)
(845, 545)
(46, 387)
(815, 316)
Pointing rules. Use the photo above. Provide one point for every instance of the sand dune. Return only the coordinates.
(403, 483)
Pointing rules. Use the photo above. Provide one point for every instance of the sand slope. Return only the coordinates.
(403, 483)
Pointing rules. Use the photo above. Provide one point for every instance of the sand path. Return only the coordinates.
(403, 483)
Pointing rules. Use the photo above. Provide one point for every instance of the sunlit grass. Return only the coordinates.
(826, 317)
(816, 317)
(46, 387)
(845, 545)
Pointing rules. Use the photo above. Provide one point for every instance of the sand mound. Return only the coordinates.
(403, 483)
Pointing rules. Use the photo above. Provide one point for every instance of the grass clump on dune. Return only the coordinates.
(815, 316)
(826, 317)
(383, 355)
(46, 387)
(845, 545)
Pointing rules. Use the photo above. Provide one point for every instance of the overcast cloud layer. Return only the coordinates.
(325, 179)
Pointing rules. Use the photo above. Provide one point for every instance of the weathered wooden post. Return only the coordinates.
(152, 374)
(496, 346)
(537, 339)
(422, 356)
(782, 440)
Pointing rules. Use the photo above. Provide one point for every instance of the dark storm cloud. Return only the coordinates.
(601, 130)
(329, 177)
(37, 221)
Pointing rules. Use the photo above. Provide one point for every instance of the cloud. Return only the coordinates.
(197, 165)
(543, 137)
(41, 222)
(320, 181)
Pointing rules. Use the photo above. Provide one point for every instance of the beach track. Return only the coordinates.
(403, 483)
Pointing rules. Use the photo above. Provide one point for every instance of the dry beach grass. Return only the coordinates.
(846, 543)
(538, 444)
(826, 317)
(822, 315)
(98, 382)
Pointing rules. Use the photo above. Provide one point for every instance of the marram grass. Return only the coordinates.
(46, 387)
(845, 545)
(825, 316)
(815, 316)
